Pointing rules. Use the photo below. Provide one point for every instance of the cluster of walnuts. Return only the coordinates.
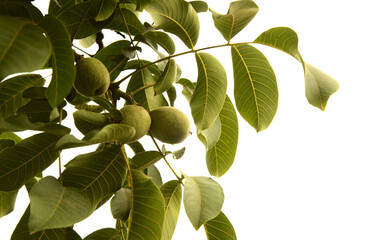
(168, 124)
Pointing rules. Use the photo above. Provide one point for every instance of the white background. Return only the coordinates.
(308, 176)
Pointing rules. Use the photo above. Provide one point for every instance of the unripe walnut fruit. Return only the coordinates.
(92, 77)
(137, 117)
(169, 125)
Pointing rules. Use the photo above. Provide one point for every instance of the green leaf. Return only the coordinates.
(55, 206)
(147, 215)
(203, 199)
(172, 95)
(106, 104)
(220, 228)
(58, 6)
(112, 57)
(210, 91)
(255, 87)
(177, 17)
(144, 160)
(21, 231)
(318, 85)
(11, 92)
(11, 136)
(7, 202)
(23, 46)
(141, 4)
(146, 97)
(221, 156)
(172, 193)
(37, 110)
(35, 93)
(167, 78)
(211, 135)
(154, 174)
(121, 204)
(199, 6)
(79, 19)
(240, 13)
(98, 174)
(62, 60)
(107, 8)
(111, 132)
(105, 234)
(154, 38)
(20, 9)
(125, 21)
(20, 163)
(86, 121)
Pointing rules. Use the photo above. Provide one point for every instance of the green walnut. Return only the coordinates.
(92, 78)
(169, 125)
(137, 117)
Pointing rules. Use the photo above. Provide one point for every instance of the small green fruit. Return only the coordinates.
(92, 78)
(169, 125)
(137, 117)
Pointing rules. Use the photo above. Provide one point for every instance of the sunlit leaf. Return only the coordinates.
(177, 17)
(10, 136)
(121, 204)
(220, 228)
(20, 163)
(7, 202)
(86, 121)
(112, 57)
(155, 38)
(97, 174)
(240, 13)
(144, 160)
(23, 46)
(111, 132)
(154, 174)
(107, 8)
(172, 193)
(141, 4)
(55, 206)
(106, 104)
(203, 199)
(11, 92)
(318, 85)
(210, 136)
(255, 87)
(210, 91)
(147, 215)
(199, 6)
(167, 78)
(62, 60)
(221, 155)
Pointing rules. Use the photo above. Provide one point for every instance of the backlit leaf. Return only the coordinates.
(240, 13)
(221, 155)
(11, 92)
(86, 121)
(23, 46)
(144, 160)
(177, 17)
(20, 163)
(20, 9)
(210, 136)
(203, 199)
(255, 87)
(55, 206)
(160, 38)
(318, 85)
(7, 202)
(37, 110)
(62, 60)
(199, 6)
(125, 21)
(220, 228)
(147, 215)
(98, 174)
(172, 193)
(141, 4)
(154, 174)
(105, 234)
(210, 91)
(121, 204)
(107, 7)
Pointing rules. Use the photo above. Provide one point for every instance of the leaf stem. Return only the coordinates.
(165, 159)
(176, 55)
(141, 88)
(122, 229)
(59, 152)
